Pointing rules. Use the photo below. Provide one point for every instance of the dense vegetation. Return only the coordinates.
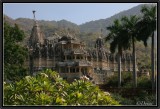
(14, 53)
(126, 94)
(48, 88)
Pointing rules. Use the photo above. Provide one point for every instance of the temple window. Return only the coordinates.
(77, 69)
(78, 57)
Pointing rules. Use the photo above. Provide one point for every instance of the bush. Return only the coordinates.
(144, 82)
(112, 81)
(122, 100)
(126, 80)
(48, 88)
(127, 95)
(145, 98)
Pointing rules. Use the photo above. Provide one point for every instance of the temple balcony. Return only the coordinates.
(83, 63)
(78, 51)
(73, 51)
(61, 64)
(66, 52)
(75, 41)
(68, 63)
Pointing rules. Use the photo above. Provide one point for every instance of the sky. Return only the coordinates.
(77, 13)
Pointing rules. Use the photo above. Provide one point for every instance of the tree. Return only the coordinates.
(116, 37)
(14, 53)
(147, 27)
(129, 24)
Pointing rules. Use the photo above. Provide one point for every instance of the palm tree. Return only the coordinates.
(115, 36)
(147, 27)
(129, 24)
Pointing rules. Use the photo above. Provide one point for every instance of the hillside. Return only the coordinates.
(95, 26)
(49, 27)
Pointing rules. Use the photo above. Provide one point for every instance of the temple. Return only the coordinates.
(68, 56)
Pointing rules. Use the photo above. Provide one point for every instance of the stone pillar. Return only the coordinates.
(62, 46)
(68, 69)
(39, 57)
(31, 64)
(80, 70)
(74, 70)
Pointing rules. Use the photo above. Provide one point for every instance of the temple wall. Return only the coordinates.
(43, 62)
(50, 62)
(36, 62)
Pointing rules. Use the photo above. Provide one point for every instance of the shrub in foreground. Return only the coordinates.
(48, 88)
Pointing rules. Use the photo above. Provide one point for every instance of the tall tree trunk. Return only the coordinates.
(134, 65)
(153, 63)
(119, 70)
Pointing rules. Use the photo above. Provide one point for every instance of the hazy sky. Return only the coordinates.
(75, 12)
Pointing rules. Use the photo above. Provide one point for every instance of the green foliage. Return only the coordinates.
(127, 95)
(144, 82)
(14, 54)
(142, 97)
(127, 80)
(147, 25)
(145, 97)
(112, 81)
(48, 88)
(122, 100)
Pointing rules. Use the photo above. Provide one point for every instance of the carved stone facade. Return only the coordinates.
(68, 56)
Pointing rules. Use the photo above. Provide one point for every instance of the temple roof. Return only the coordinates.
(67, 37)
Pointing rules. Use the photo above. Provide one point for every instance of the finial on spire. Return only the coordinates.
(34, 14)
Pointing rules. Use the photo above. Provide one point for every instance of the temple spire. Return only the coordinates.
(37, 36)
(34, 15)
